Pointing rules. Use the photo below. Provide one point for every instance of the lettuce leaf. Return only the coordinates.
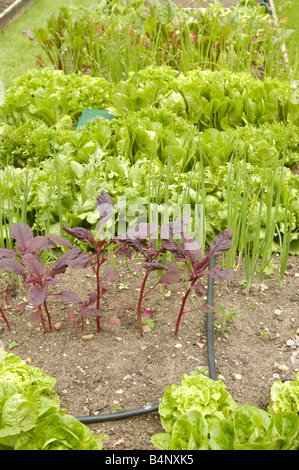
(200, 415)
(284, 396)
(30, 414)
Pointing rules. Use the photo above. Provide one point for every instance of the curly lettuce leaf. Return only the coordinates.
(30, 414)
(284, 396)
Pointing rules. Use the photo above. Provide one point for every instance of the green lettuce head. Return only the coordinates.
(196, 392)
(284, 396)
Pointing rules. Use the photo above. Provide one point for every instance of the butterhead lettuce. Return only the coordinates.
(30, 413)
(284, 396)
(199, 414)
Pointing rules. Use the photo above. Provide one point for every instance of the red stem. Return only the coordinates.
(113, 252)
(140, 302)
(182, 308)
(136, 271)
(42, 320)
(4, 318)
(153, 287)
(48, 315)
(98, 291)
(188, 267)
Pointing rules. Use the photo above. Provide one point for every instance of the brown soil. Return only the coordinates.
(118, 369)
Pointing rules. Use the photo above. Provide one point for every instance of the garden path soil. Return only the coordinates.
(5, 4)
(119, 370)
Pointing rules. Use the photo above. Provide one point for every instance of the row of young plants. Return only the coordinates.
(115, 38)
(208, 99)
(28, 262)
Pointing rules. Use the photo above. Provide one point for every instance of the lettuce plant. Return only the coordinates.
(199, 414)
(248, 428)
(30, 413)
(284, 396)
(195, 392)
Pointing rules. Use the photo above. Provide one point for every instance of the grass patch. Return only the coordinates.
(16, 51)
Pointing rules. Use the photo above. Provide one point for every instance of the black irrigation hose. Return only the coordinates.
(151, 408)
(118, 415)
(210, 336)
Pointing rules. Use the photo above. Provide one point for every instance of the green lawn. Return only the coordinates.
(16, 51)
(289, 9)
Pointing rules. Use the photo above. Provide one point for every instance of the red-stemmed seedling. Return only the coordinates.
(105, 207)
(140, 239)
(26, 262)
(189, 250)
(86, 307)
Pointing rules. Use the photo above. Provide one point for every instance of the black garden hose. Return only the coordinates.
(210, 335)
(151, 408)
(118, 415)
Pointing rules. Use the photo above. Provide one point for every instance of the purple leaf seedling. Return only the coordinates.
(86, 307)
(189, 250)
(26, 262)
(105, 207)
(140, 239)
(147, 318)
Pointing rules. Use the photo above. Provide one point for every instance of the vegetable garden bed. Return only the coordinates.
(118, 370)
(256, 319)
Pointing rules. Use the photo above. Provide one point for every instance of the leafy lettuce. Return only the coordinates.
(285, 396)
(30, 414)
(220, 100)
(195, 392)
(53, 97)
(168, 142)
(200, 414)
